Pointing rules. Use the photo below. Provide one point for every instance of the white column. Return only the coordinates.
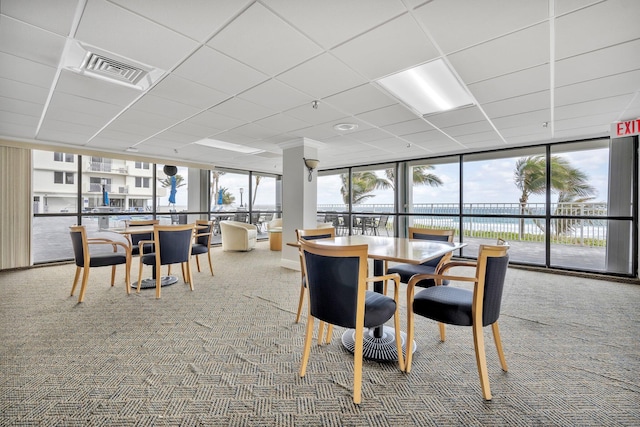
(299, 195)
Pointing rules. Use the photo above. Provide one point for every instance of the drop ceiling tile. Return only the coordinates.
(387, 115)
(409, 127)
(66, 136)
(456, 117)
(276, 95)
(114, 29)
(29, 42)
(519, 104)
(195, 130)
(56, 17)
(20, 107)
(50, 125)
(278, 49)
(82, 105)
(312, 17)
(369, 135)
(139, 123)
(533, 118)
(598, 88)
(79, 85)
(565, 6)
(590, 108)
(468, 129)
(234, 137)
(519, 83)
(197, 20)
(489, 19)
(242, 110)
(23, 91)
(26, 71)
(215, 120)
(489, 136)
(174, 111)
(218, 71)
(604, 62)
(69, 116)
(282, 123)
(360, 99)
(517, 51)
(187, 92)
(17, 130)
(321, 77)
(431, 139)
(255, 131)
(18, 118)
(176, 138)
(318, 133)
(401, 42)
(125, 139)
(323, 114)
(575, 32)
(597, 120)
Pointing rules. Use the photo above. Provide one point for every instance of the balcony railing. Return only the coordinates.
(491, 220)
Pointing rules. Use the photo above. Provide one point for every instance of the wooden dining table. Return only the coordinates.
(379, 343)
(148, 282)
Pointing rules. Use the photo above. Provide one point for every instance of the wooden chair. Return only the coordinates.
(406, 271)
(84, 259)
(456, 306)
(337, 284)
(202, 243)
(312, 234)
(171, 245)
(134, 239)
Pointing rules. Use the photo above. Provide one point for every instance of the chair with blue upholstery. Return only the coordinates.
(452, 305)
(135, 238)
(85, 260)
(326, 232)
(171, 245)
(406, 271)
(337, 284)
(202, 243)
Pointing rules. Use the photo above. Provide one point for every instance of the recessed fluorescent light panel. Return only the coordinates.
(429, 88)
(229, 146)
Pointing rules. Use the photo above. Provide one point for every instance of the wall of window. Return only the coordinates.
(566, 205)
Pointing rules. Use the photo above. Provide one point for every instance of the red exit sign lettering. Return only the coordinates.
(626, 128)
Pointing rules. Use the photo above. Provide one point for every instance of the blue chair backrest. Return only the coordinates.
(494, 284)
(333, 288)
(78, 248)
(204, 240)
(174, 246)
(426, 236)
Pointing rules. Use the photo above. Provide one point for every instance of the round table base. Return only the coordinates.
(150, 283)
(381, 349)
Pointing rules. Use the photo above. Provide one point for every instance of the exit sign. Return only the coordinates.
(626, 128)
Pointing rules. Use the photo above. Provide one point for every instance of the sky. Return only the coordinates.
(490, 181)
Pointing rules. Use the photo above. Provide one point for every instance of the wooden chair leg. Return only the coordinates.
(357, 366)
(75, 280)
(327, 339)
(158, 281)
(410, 328)
(139, 277)
(127, 276)
(210, 263)
(198, 263)
(481, 360)
(300, 301)
(498, 341)
(321, 332)
(113, 275)
(169, 270)
(307, 347)
(443, 332)
(396, 324)
(185, 279)
(85, 279)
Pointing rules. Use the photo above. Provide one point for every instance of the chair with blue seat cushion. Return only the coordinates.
(85, 260)
(406, 271)
(135, 238)
(457, 306)
(171, 245)
(202, 243)
(337, 284)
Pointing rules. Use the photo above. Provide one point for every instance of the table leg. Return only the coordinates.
(379, 343)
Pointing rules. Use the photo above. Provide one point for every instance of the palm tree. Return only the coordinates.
(362, 183)
(530, 178)
(255, 190)
(166, 182)
(215, 178)
(421, 176)
(365, 182)
(227, 197)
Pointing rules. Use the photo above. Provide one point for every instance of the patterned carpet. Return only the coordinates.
(228, 354)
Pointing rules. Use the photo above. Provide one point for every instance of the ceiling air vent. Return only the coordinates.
(93, 62)
(112, 68)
